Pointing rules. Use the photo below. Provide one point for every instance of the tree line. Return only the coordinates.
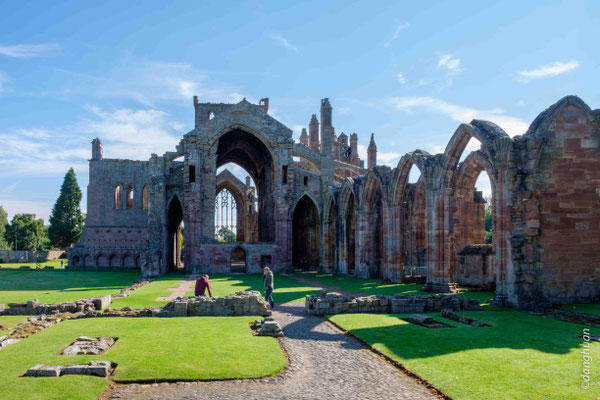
(26, 232)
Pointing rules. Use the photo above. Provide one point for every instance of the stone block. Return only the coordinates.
(180, 309)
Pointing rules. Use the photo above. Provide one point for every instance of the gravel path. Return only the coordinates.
(181, 290)
(324, 364)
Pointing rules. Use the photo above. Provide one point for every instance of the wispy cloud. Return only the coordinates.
(512, 126)
(399, 28)
(285, 43)
(27, 50)
(400, 78)
(547, 70)
(448, 62)
(178, 82)
(132, 134)
(383, 158)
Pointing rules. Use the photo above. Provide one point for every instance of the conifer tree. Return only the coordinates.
(66, 220)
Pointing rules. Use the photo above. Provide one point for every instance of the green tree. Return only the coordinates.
(488, 220)
(29, 233)
(225, 235)
(66, 220)
(3, 223)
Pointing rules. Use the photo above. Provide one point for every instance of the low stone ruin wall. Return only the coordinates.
(237, 304)
(402, 304)
(10, 256)
(475, 266)
(569, 316)
(34, 307)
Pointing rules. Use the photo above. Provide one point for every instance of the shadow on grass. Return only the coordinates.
(510, 329)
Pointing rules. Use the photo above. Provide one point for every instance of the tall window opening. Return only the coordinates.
(118, 191)
(225, 217)
(130, 197)
(192, 174)
(145, 198)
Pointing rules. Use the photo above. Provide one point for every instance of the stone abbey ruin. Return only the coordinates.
(316, 205)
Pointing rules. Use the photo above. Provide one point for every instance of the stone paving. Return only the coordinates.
(323, 363)
(181, 290)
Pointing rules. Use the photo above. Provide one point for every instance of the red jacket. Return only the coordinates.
(201, 286)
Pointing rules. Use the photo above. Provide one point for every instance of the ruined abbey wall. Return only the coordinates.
(319, 208)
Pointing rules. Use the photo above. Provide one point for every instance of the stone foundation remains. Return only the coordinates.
(401, 304)
(237, 304)
(95, 368)
(88, 346)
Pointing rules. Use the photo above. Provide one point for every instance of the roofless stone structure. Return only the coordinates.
(314, 205)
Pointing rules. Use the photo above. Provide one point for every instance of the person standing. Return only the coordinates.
(268, 281)
(201, 286)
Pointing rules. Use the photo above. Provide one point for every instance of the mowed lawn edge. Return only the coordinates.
(59, 286)
(519, 356)
(147, 350)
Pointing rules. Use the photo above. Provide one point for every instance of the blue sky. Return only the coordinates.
(126, 72)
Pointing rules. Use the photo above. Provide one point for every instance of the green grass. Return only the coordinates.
(33, 265)
(146, 295)
(287, 290)
(520, 357)
(583, 308)
(10, 322)
(375, 286)
(57, 286)
(148, 349)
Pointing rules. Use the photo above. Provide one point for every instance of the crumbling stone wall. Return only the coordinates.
(371, 222)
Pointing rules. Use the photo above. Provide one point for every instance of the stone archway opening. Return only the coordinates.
(250, 153)
(174, 235)
(351, 237)
(238, 261)
(305, 235)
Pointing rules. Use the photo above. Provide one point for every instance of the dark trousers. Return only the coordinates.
(269, 297)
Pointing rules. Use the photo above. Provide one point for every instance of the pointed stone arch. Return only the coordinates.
(305, 235)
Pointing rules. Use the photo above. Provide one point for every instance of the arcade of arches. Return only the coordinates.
(316, 205)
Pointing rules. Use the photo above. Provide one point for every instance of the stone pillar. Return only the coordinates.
(354, 149)
(313, 128)
(441, 258)
(502, 224)
(372, 153)
(327, 168)
(304, 137)
(96, 150)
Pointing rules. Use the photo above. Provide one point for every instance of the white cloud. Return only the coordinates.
(40, 209)
(285, 43)
(401, 79)
(383, 158)
(27, 50)
(512, 126)
(521, 102)
(544, 71)
(132, 134)
(149, 82)
(448, 62)
(399, 28)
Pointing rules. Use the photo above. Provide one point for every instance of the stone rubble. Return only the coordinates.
(34, 307)
(237, 304)
(267, 327)
(462, 319)
(95, 368)
(401, 304)
(426, 321)
(89, 346)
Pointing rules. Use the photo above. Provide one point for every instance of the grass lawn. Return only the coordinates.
(146, 295)
(49, 286)
(148, 349)
(374, 286)
(33, 265)
(287, 290)
(583, 308)
(10, 322)
(520, 357)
